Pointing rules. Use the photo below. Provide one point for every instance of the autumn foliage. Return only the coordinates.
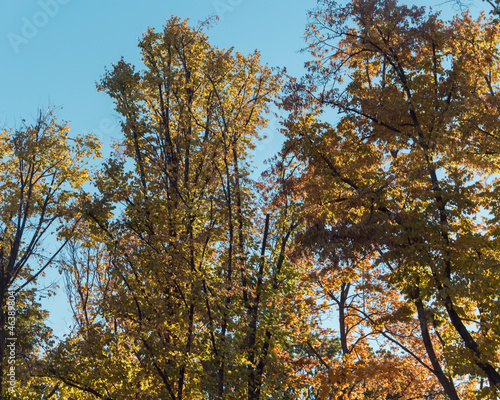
(404, 184)
(363, 264)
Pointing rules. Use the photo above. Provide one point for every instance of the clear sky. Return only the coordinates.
(53, 51)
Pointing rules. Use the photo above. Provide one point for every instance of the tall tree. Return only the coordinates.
(41, 172)
(407, 176)
(184, 295)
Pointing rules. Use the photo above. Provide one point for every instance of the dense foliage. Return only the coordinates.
(364, 264)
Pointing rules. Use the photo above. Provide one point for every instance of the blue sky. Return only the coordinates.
(53, 51)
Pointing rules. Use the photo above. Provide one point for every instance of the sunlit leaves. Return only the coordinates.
(179, 271)
(404, 178)
(42, 169)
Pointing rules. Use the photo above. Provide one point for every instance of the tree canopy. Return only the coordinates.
(363, 264)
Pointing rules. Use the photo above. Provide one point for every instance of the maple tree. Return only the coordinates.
(407, 176)
(42, 168)
(179, 274)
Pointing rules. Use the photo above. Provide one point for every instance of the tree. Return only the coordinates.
(178, 294)
(493, 4)
(407, 177)
(370, 336)
(41, 173)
